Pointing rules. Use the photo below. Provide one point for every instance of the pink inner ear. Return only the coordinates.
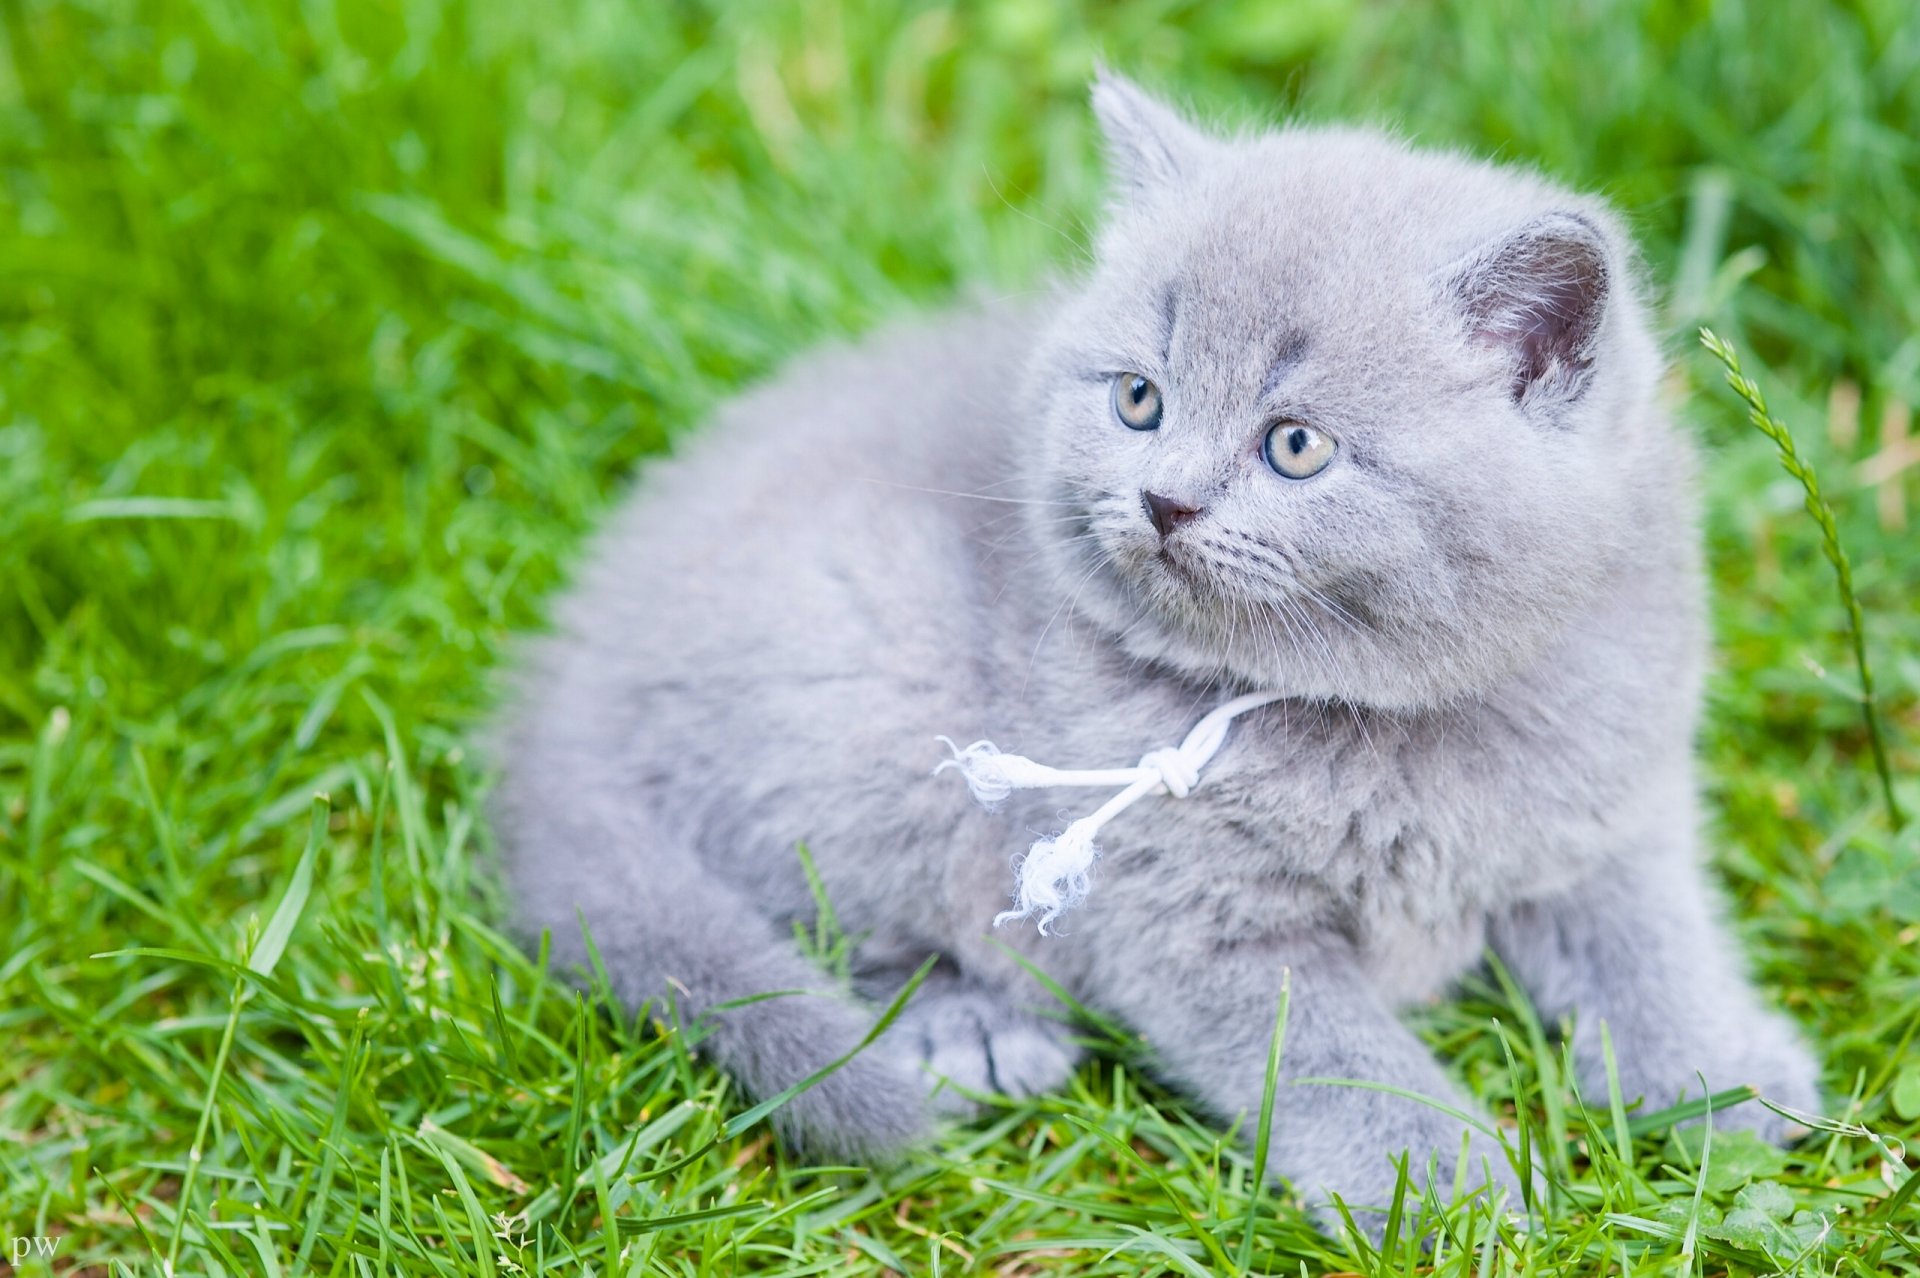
(1540, 295)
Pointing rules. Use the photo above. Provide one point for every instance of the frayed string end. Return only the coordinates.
(992, 774)
(981, 766)
(1054, 875)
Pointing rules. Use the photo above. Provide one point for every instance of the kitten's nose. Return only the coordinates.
(1166, 513)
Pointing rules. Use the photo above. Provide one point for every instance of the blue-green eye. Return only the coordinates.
(1297, 450)
(1136, 402)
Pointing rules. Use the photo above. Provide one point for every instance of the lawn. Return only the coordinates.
(327, 329)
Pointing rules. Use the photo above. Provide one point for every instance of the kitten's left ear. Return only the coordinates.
(1539, 295)
(1148, 145)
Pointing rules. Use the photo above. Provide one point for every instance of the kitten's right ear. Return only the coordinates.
(1538, 295)
(1148, 145)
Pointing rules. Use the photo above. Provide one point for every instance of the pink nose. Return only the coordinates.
(1166, 513)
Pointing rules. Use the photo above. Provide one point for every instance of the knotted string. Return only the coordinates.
(1052, 877)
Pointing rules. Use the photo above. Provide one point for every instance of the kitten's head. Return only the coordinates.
(1340, 418)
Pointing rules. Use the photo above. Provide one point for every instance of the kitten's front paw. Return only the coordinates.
(978, 1042)
(1770, 1057)
(871, 1109)
(1367, 1185)
(1780, 1067)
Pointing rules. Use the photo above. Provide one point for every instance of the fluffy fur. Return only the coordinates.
(1487, 612)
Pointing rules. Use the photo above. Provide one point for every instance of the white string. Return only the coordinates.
(1052, 877)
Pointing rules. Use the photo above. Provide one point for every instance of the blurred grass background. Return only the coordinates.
(327, 327)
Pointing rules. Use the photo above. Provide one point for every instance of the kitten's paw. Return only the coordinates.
(1770, 1057)
(1780, 1067)
(978, 1042)
(872, 1109)
(1435, 1160)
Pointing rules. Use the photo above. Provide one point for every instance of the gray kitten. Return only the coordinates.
(1372, 427)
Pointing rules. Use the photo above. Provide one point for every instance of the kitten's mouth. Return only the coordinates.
(1176, 572)
(1172, 560)
(1187, 559)
(1184, 585)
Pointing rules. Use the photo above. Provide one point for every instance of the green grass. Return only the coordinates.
(327, 328)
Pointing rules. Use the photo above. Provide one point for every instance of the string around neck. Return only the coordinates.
(1054, 875)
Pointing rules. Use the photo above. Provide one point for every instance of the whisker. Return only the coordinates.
(949, 492)
(1034, 659)
(1081, 247)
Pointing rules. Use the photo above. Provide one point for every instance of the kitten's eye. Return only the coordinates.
(1297, 450)
(1136, 402)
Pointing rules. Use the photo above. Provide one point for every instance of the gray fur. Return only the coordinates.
(1488, 610)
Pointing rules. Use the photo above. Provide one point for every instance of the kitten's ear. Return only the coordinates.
(1539, 294)
(1148, 145)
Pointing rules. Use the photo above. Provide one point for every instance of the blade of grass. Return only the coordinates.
(1127, 1152)
(1263, 1135)
(286, 915)
(1790, 461)
(198, 1149)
